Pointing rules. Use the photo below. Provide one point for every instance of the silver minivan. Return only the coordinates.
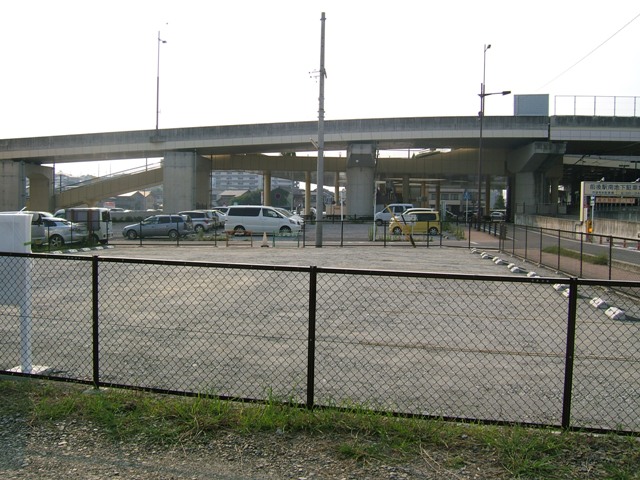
(259, 219)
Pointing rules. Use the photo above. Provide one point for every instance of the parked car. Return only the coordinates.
(59, 232)
(415, 221)
(171, 226)
(218, 218)
(498, 216)
(202, 220)
(294, 216)
(37, 228)
(387, 213)
(96, 219)
(259, 219)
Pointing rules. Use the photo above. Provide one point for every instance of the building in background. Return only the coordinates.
(223, 183)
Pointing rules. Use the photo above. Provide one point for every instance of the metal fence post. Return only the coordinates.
(540, 248)
(569, 354)
(95, 324)
(559, 245)
(304, 229)
(311, 339)
(384, 233)
(526, 241)
(342, 233)
(610, 254)
(581, 251)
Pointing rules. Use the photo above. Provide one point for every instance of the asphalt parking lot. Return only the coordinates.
(396, 256)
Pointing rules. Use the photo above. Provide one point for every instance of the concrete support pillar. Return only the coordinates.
(406, 189)
(40, 187)
(186, 181)
(266, 187)
(424, 192)
(438, 196)
(307, 193)
(336, 186)
(525, 192)
(13, 195)
(361, 163)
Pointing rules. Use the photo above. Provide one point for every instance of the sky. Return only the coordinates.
(74, 66)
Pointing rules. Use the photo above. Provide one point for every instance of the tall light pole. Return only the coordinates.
(158, 81)
(482, 95)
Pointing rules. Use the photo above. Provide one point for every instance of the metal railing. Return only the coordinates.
(508, 349)
(335, 233)
(596, 105)
(574, 253)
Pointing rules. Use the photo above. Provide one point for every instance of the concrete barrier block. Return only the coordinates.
(615, 313)
(598, 303)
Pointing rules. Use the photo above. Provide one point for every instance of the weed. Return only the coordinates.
(357, 432)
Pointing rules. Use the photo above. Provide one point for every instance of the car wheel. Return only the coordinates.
(239, 228)
(396, 230)
(433, 231)
(56, 241)
(379, 222)
(173, 234)
(285, 229)
(199, 228)
(93, 239)
(132, 234)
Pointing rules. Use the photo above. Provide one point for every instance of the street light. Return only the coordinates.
(482, 95)
(158, 81)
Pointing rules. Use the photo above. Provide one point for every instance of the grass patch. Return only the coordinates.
(355, 434)
(586, 257)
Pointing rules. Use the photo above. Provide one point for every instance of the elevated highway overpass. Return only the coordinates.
(527, 151)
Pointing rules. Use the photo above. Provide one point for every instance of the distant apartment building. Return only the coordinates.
(225, 181)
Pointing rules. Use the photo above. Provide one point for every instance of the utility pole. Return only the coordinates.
(320, 164)
(160, 41)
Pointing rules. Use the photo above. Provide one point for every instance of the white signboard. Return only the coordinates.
(611, 189)
(592, 192)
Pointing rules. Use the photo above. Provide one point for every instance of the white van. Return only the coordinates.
(259, 219)
(391, 210)
(97, 220)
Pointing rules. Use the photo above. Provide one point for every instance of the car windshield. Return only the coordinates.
(286, 213)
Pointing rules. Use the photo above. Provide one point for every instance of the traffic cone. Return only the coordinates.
(265, 242)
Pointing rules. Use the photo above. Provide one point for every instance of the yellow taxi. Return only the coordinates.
(416, 221)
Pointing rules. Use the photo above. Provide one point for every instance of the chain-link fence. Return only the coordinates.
(487, 348)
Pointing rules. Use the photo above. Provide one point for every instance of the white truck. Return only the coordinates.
(97, 220)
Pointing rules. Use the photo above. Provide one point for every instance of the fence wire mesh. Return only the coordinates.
(457, 346)
(443, 347)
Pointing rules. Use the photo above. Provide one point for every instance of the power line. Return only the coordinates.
(591, 52)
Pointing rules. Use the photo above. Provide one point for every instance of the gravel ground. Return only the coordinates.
(76, 450)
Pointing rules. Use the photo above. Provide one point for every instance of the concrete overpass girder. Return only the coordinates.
(531, 157)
